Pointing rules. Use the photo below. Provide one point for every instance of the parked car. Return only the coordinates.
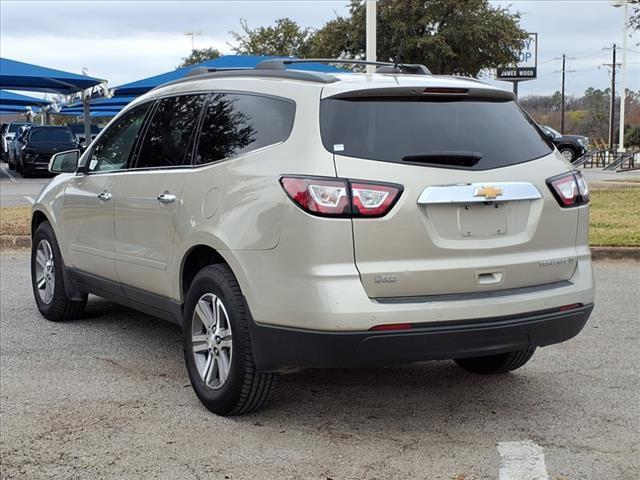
(571, 147)
(3, 144)
(14, 146)
(320, 220)
(6, 136)
(37, 144)
(78, 131)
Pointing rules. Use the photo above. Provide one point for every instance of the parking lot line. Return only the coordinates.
(12, 179)
(29, 199)
(522, 461)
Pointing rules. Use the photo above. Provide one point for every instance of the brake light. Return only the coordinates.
(570, 189)
(337, 197)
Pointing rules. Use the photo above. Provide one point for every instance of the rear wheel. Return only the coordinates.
(500, 363)
(47, 278)
(217, 345)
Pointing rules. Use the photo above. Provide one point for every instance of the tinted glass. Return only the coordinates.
(50, 135)
(78, 128)
(113, 149)
(168, 139)
(13, 127)
(235, 124)
(476, 134)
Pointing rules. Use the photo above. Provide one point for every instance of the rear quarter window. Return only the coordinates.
(447, 132)
(234, 124)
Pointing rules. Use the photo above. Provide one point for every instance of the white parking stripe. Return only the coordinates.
(29, 199)
(522, 461)
(12, 179)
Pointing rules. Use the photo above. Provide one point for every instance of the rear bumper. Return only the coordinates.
(280, 347)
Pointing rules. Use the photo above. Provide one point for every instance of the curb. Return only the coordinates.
(597, 253)
(615, 253)
(15, 241)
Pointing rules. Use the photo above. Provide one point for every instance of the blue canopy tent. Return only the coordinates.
(16, 75)
(10, 98)
(25, 76)
(80, 112)
(114, 104)
(17, 108)
(227, 61)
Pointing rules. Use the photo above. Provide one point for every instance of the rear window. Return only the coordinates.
(55, 135)
(13, 127)
(474, 134)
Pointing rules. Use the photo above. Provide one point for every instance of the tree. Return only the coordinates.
(449, 36)
(634, 19)
(198, 56)
(285, 38)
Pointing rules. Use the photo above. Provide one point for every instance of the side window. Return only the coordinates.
(113, 149)
(169, 136)
(235, 124)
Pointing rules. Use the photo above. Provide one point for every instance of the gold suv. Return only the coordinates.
(289, 218)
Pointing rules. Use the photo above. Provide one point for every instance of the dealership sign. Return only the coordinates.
(527, 66)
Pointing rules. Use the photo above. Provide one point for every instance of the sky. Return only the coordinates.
(126, 41)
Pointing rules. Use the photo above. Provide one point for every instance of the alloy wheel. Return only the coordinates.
(45, 271)
(211, 340)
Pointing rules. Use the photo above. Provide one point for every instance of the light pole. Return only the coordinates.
(371, 34)
(623, 93)
(193, 35)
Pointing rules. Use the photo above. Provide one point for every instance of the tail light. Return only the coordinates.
(338, 197)
(570, 189)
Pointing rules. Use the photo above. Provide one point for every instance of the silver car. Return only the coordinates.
(289, 218)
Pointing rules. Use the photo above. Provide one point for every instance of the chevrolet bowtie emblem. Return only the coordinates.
(488, 192)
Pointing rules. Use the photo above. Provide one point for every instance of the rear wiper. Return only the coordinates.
(448, 157)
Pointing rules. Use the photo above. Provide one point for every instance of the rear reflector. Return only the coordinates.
(389, 327)
(570, 189)
(564, 308)
(338, 197)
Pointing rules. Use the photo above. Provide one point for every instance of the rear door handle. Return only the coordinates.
(104, 196)
(166, 197)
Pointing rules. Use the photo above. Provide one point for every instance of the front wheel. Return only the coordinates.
(494, 364)
(47, 278)
(217, 345)
(568, 153)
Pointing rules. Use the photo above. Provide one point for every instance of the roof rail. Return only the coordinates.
(203, 70)
(203, 73)
(385, 67)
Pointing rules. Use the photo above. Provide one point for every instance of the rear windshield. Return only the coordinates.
(55, 135)
(474, 134)
(13, 127)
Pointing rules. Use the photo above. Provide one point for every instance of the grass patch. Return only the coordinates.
(15, 221)
(615, 217)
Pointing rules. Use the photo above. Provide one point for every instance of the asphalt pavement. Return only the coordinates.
(16, 191)
(107, 396)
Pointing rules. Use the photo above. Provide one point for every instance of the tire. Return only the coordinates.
(245, 389)
(495, 364)
(52, 300)
(568, 153)
(12, 166)
(25, 172)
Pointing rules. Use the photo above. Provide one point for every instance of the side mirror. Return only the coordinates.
(64, 162)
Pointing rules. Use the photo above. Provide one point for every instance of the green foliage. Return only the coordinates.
(198, 56)
(632, 135)
(285, 38)
(449, 36)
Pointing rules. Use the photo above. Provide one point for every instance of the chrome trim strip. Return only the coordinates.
(457, 297)
(469, 193)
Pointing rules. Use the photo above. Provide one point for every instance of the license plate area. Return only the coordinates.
(482, 219)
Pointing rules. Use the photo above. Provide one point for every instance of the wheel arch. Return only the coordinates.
(38, 217)
(193, 260)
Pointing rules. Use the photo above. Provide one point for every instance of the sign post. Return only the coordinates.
(526, 67)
